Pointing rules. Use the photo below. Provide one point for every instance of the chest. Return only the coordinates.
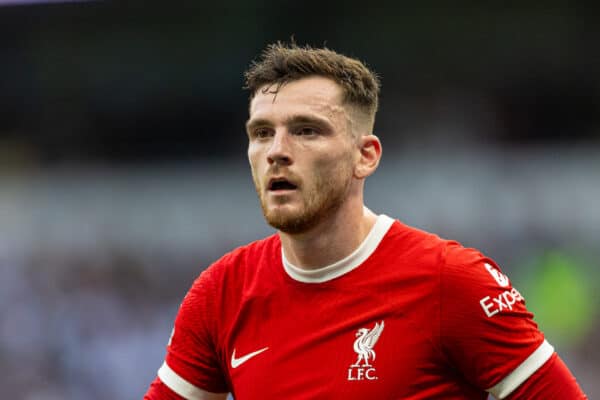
(331, 342)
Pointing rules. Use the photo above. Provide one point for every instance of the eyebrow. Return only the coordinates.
(252, 123)
(291, 120)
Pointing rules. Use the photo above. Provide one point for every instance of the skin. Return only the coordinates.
(304, 133)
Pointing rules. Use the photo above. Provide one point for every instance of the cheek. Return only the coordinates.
(254, 167)
(338, 159)
(333, 169)
(253, 156)
(251, 152)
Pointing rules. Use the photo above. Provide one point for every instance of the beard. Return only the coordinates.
(324, 197)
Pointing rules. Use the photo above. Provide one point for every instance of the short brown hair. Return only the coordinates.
(281, 63)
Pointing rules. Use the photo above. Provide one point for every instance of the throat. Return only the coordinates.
(327, 244)
(337, 264)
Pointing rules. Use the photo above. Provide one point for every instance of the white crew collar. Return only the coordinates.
(345, 265)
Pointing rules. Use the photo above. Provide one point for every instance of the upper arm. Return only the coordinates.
(159, 391)
(486, 331)
(212, 396)
(552, 381)
(192, 366)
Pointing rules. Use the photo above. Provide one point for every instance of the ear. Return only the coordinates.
(369, 148)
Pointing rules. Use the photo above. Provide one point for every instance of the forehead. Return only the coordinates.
(312, 95)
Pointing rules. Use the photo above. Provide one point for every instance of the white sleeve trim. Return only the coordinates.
(178, 384)
(520, 374)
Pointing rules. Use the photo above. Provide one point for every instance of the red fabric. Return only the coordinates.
(487, 331)
(192, 351)
(553, 381)
(160, 391)
(453, 325)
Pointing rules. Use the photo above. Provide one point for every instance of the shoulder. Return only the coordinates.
(241, 262)
(249, 252)
(471, 266)
(227, 277)
(471, 280)
(422, 248)
(444, 260)
(245, 257)
(449, 255)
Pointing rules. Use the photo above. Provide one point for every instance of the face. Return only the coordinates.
(301, 152)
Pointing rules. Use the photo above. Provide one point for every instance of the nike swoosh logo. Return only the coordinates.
(236, 362)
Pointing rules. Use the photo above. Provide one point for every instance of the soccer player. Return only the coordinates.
(342, 303)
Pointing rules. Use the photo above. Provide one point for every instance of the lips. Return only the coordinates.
(281, 184)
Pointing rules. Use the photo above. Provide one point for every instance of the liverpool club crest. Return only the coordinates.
(363, 346)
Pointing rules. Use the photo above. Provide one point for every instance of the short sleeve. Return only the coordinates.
(486, 330)
(192, 361)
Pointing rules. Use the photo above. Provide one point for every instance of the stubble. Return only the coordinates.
(329, 190)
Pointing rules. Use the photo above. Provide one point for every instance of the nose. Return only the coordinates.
(280, 151)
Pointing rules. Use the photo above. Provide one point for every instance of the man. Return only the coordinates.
(342, 303)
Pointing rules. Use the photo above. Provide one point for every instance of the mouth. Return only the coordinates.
(278, 185)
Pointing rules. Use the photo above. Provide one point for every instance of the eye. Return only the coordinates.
(261, 133)
(306, 131)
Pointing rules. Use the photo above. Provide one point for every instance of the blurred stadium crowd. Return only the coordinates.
(123, 172)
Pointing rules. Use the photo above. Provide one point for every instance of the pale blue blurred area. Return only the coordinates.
(123, 170)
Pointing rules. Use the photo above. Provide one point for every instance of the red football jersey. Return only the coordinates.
(406, 316)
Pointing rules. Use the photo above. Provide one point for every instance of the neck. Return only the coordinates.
(333, 239)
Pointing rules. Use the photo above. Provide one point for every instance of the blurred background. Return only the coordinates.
(123, 171)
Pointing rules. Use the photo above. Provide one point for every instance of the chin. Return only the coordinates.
(289, 221)
(302, 215)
